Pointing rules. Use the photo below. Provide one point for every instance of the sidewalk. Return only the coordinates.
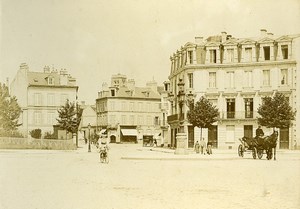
(159, 153)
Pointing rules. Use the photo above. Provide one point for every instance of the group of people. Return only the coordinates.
(203, 147)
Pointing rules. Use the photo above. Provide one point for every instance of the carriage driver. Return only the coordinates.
(259, 133)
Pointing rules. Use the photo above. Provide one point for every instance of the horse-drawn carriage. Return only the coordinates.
(258, 146)
(250, 145)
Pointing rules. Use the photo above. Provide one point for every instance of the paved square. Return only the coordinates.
(46, 179)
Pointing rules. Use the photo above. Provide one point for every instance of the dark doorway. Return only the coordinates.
(191, 136)
(248, 131)
(213, 136)
(112, 139)
(284, 138)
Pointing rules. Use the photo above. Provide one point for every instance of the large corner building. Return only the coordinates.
(235, 74)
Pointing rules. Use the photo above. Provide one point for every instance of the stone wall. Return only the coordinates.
(29, 143)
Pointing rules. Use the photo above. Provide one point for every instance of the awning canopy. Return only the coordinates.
(129, 132)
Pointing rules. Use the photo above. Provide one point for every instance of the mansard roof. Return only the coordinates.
(139, 92)
(41, 79)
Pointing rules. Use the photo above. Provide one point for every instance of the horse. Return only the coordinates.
(270, 143)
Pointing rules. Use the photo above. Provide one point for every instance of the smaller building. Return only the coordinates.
(129, 114)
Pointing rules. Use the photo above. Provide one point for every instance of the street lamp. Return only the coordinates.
(89, 127)
(181, 99)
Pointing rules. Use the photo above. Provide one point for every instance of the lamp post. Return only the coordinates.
(181, 99)
(89, 127)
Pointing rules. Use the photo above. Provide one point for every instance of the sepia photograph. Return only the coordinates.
(161, 104)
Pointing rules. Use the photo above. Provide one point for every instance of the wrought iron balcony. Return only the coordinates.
(239, 115)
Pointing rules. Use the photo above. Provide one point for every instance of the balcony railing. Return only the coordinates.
(238, 115)
(171, 118)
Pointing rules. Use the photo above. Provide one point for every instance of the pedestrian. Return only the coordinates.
(197, 147)
(202, 146)
(209, 145)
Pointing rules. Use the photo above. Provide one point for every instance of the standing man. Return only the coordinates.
(202, 146)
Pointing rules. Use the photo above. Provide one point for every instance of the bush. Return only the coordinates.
(36, 133)
(49, 135)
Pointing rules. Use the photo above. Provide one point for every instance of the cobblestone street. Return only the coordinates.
(137, 177)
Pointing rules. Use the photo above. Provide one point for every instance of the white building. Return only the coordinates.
(40, 95)
(234, 74)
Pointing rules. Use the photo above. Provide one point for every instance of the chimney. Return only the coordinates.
(131, 84)
(199, 40)
(270, 35)
(46, 69)
(224, 36)
(263, 32)
(152, 85)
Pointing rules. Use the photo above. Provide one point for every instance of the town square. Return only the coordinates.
(138, 177)
(149, 104)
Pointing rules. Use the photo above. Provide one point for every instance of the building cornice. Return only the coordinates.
(233, 65)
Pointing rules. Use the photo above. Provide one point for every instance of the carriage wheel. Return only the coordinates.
(259, 153)
(241, 151)
(254, 152)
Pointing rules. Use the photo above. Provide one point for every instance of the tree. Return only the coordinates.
(202, 114)
(9, 111)
(275, 112)
(67, 117)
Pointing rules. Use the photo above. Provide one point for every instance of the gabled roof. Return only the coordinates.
(265, 40)
(189, 44)
(212, 44)
(284, 39)
(247, 41)
(230, 42)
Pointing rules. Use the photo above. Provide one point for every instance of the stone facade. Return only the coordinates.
(234, 74)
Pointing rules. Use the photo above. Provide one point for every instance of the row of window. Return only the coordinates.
(133, 120)
(38, 117)
(129, 106)
(248, 75)
(250, 54)
(51, 99)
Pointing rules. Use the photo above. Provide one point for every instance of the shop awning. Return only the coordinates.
(129, 132)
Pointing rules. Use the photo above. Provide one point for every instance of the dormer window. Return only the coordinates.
(230, 55)
(267, 52)
(213, 56)
(190, 54)
(113, 93)
(50, 81)
(284, 51)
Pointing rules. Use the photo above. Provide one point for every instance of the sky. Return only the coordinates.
(95, 39)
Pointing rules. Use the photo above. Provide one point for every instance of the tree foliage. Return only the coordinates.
(67, 117)
(9, 111)
(276, 112)
(202, 114)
